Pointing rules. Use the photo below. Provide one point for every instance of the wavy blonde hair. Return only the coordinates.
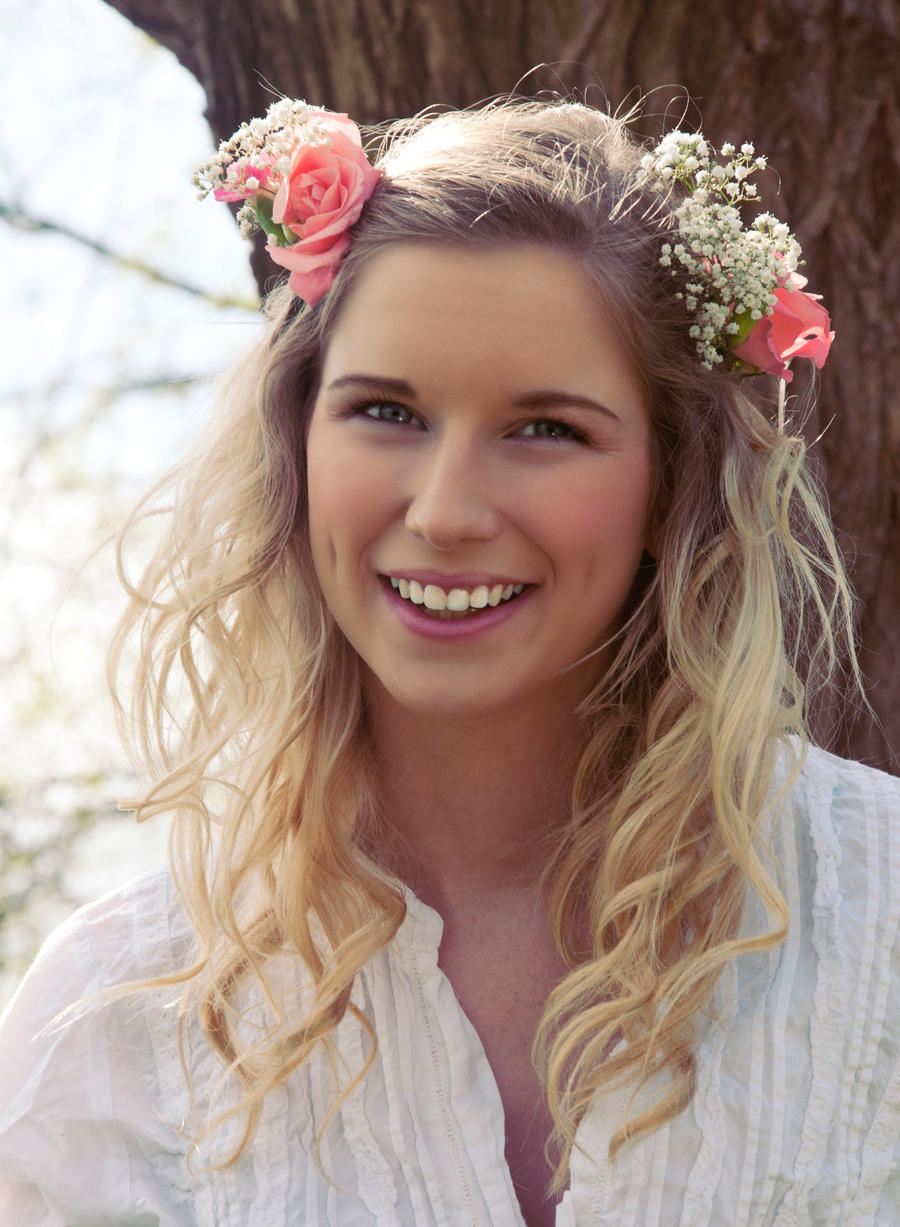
(246, 700)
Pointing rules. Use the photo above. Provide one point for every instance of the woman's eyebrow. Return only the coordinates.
(534, 401)
(554, 400)
(397, 387)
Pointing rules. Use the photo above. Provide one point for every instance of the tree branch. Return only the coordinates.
(20, 220)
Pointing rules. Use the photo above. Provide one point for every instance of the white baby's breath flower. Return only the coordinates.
(725, 270)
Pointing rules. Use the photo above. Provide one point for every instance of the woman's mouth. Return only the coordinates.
(454, 603)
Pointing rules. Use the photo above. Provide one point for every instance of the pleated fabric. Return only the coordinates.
(795, 1121)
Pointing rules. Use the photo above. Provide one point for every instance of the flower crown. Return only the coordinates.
(304, 178)
(741, 285)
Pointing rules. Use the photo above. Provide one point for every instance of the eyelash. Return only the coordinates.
(568, 431)
(561, 430)
(362, 410)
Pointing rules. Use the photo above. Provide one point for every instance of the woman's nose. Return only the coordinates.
(453, 499)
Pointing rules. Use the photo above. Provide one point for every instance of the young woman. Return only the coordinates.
(475, 664)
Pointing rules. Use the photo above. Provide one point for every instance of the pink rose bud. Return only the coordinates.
(799, 327)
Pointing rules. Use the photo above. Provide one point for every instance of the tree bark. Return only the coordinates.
(813, 83)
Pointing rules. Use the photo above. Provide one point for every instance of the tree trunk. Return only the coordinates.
(813, 83)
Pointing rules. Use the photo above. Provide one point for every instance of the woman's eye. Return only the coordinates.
(550, 428)
(384, 411)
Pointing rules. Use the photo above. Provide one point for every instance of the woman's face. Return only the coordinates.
(479, 477)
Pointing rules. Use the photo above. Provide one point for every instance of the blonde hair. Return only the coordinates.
(247, 708)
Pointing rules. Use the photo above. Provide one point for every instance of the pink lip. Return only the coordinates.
(447, 629)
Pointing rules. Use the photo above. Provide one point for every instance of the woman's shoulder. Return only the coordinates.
(846, 821)
(68, 999)
(134, 932)
(85, 1080)
(848, 788)
(796, 1115)
(836, 846)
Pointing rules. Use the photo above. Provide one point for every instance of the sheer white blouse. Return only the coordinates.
(796, 1117)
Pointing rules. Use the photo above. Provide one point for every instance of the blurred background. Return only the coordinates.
(123, 299)
(121, 296)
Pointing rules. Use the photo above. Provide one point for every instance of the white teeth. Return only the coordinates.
(456, 600)
(435, 597)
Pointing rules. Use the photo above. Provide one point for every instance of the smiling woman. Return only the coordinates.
(475, 664)
(467, 484)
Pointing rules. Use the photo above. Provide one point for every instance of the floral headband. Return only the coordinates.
(304, 178)
(741, 285)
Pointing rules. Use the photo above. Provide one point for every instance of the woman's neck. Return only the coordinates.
(470, 804)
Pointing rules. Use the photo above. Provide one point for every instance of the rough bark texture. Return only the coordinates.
(813, 82)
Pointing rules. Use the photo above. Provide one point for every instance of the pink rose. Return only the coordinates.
(319, 200)
(797, 328)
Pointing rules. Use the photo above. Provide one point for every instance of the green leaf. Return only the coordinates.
(746, 324)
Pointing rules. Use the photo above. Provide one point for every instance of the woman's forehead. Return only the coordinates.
(521, 318)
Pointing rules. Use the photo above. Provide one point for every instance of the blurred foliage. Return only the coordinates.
(118, 301)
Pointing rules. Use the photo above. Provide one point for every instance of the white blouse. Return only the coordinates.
(795, 1120)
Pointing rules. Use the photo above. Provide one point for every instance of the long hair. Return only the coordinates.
(246, 700)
